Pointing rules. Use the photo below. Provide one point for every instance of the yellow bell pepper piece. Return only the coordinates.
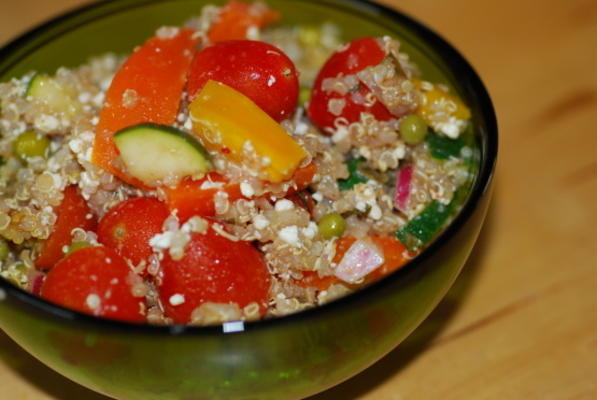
(436, 99)
(227, 121)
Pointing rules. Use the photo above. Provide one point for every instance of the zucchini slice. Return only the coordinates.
(47, 91)
(160, 154)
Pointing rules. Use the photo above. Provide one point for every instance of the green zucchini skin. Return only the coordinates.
(48, 91)
(154, 153)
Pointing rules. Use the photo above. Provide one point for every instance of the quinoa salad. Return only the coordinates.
(231, 168)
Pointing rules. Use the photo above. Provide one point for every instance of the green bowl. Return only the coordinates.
(284, 358)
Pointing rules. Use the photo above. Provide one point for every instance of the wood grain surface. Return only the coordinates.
(521, 321)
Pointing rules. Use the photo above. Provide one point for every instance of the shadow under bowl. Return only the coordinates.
(284, 358)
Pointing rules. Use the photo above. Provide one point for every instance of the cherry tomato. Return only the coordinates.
(213, 269)
(128, 227)
(94, 280)
(360, 54)
(259, 70)
(73, 212)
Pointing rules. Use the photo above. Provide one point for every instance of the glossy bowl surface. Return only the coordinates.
(285, 358)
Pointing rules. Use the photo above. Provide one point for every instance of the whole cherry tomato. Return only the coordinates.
(128, 227)
(73, 212)
(360, 54)
(94, 280)
(213, 269)
(259, 70)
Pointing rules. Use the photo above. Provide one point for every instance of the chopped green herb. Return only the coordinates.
(423, 227)
(355, 175)
(444, 148)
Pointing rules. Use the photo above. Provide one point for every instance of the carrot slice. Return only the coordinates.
(189, 199)
(394, 252)
(312, 279)
(235, 19)
(303, 178)
(72, 213)
(147, 88)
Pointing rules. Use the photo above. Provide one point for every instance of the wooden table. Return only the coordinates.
(521, 321)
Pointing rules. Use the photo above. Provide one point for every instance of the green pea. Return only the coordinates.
(31, 144)
(4, 250)
(412, 129)
(76, 246)
(304, 95)
(331, 225)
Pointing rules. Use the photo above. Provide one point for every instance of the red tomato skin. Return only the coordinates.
(128, 227)
(73, 212)
(259, 70)
(96, 271)
(360, 54)
(213, 269)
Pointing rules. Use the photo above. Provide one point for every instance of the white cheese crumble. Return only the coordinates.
(260, 222)
(161, 241)
(310, 231)
(246, 189)
(93, 301)
(211, 185)
(284, 205)
(253, 33)
(167, 32)
(289, 234)
(176, 300)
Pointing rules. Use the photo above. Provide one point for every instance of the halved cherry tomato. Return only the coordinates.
(258, 70)
(213, 269)
(235, 19)
(128, 227)
(360, 54)
(94, 280)
(147, 88)
(73, 212)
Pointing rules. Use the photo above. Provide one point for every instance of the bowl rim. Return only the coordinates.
(455, 62)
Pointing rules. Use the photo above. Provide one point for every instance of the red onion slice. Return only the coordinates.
(362, 258)
(404, 179)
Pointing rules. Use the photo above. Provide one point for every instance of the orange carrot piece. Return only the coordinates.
(236, 18)
(147, 88)
(189, 199)
(312, 279)
(72, 213)
(303, 178)
(394, 252)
